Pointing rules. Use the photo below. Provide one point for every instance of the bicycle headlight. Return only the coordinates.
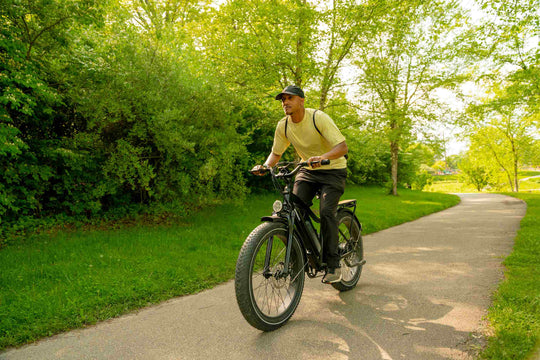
(278, 205)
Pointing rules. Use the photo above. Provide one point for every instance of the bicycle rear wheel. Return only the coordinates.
(267, 297)
(350, 243)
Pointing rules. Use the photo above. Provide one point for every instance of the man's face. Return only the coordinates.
(291, 103)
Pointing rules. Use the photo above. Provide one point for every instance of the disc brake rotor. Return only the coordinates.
(279, 280)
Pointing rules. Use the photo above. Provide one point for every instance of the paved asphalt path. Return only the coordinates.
(422, 295)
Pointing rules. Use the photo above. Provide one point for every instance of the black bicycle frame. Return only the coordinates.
(295, 223)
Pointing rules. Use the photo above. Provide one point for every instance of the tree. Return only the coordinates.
(166, 19)
(103, 115)
(505, 131)
(260, 46)
(503, 124)
(346, 22)
(413, 50)
(42, 24)
(33, 40)
(511, 42)
(475, 172)
(282, 42)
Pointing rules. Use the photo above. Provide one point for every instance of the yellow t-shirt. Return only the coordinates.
(307, 141)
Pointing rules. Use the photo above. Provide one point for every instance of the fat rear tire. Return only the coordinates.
(350, 238)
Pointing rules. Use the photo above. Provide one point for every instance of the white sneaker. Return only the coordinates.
(332, 276)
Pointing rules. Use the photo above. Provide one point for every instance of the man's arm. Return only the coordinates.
(270, 162)
(335, 153)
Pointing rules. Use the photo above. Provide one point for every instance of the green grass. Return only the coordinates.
(525, 174)
(450, 187)
(515, 313)
(453, 184)
(442, 178)
(52, 283)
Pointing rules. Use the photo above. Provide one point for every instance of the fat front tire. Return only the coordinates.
(266, 297)
(350, 243)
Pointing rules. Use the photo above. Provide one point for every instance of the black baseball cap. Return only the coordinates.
(291, 90)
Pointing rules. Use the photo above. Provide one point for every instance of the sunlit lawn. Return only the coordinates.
(453, 184)
(52, 283)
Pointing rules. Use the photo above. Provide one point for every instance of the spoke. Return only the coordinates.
(261, 284)
(342, 234)
(277, 257)
(273, 298)
(288, 292)
(266, 296)
(301, 271)
(281, 298)
(276, 300)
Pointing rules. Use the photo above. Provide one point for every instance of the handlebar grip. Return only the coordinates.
(259, 171)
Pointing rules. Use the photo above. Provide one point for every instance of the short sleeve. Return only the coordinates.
(328, 129)
(280, 141)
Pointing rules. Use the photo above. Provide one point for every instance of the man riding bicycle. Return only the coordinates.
(315, 137)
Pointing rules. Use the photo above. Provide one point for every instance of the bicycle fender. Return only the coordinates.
(274, 218)
(353, 214)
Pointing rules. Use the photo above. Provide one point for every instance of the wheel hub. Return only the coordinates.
(279, 280)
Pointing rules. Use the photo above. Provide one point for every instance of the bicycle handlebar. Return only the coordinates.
(299, 166)
(289, 174)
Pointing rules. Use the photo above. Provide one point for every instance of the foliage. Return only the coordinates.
(474, 173)
(452, 161)
(502, 134)
(422, 179)
(279, 43)
(269, 40)
(511, 35)
(416, 51)
(505, 121)
(113, 107)
(96, 117)
(369, 158)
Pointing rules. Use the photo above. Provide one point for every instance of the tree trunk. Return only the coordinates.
(323, 99)
(394, 150)
(510, 180)
(516, 181)
(299, 58)
(515, 158)
(298, 71)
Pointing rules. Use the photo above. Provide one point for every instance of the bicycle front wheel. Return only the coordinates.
(266, 295)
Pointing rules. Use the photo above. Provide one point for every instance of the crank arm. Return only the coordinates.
(355, 264)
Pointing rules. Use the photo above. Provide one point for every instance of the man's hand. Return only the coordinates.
(315, 161)
(259, 170)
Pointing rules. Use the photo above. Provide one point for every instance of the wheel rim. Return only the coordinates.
(271, 293)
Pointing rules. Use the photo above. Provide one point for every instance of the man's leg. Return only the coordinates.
(331, 191)
(305, 190)
(330, 195)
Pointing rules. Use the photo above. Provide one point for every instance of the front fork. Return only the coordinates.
(290, 222)
(267, 272)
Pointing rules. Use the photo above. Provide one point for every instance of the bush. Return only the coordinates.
(369, 158)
